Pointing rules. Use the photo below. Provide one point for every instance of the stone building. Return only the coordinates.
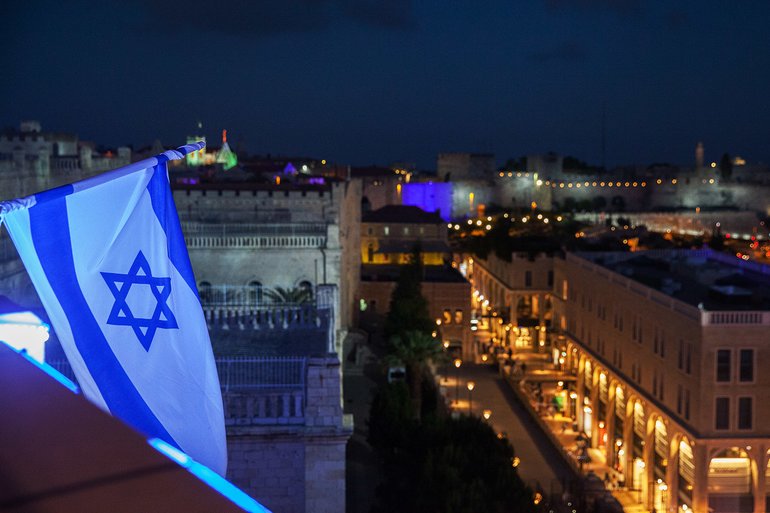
(660, 353)
(388, 237)
(32, 160)
(666, 347)
(512, 298)
(245, 239)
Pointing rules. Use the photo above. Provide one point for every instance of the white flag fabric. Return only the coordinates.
(108, 259)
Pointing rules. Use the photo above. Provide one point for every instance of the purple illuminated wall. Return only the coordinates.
(429, 196)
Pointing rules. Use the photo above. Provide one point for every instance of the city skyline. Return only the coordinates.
(363, 83)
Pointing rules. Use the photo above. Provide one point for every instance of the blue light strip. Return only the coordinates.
(208, 476)
(55, 374)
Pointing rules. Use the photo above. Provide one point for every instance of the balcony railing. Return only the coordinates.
(255, 390)
(242, 373)
(244, 235)
(735, 318)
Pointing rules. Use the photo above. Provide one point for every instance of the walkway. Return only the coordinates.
(542, 440)
(540, 465)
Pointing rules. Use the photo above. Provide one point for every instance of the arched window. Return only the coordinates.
(255, 292)
(307, 288)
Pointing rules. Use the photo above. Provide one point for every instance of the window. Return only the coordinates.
(686, 404)
(307, 288)
(722, 413)
(406, 230)
(255, 292)
(746, 371)
(204, 292)
(564, 290)
(688, 358)
(550, 278)
(458, 316)
(744, 413)
(447, 316)
(680, 359)
(386, 230)
(723, 365)
(528, 278)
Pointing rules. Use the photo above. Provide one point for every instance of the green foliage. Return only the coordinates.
(408, 307)
(442, 464)
(390, 418)
(413, 350)
(298, 295)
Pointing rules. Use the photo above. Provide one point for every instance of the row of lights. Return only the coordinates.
(578, 185)
(480, 222)
(554, 183)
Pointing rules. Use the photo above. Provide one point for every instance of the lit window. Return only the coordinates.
(386, 230)
(458, 316)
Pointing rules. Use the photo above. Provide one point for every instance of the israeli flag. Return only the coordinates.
(108, 259)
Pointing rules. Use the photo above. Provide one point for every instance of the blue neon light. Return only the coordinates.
(208, 476)
(429, 196)
(55, 374)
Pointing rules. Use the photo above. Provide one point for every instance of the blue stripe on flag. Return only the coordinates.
(165, 210)
(49, 226)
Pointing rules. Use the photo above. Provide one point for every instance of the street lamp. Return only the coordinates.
(458, 362)
(486, 414)
(446, 360)
(471, 385)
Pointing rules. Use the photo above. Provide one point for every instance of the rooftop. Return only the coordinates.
(401, 214)
(431, 273)
(703, 278)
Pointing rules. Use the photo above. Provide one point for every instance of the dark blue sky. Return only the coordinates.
(359, 81)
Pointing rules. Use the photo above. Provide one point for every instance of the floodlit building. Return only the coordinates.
(667, 348)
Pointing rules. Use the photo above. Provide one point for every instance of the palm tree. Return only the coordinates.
(295, 296)
(413, 351)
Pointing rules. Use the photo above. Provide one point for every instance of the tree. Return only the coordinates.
(413, 351)
(408, 307)
(295, 296)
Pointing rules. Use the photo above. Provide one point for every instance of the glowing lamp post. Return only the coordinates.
(458, 362)
(486, 414)
(471, 385)
(22, 329)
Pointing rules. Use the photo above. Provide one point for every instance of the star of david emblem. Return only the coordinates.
(140, 274)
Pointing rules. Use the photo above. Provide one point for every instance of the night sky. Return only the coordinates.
(359, 81)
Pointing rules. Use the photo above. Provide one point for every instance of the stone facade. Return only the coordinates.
(275, 236)
(270, 461)
(661, 353)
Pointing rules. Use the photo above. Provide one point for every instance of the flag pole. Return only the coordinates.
(179, 153)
